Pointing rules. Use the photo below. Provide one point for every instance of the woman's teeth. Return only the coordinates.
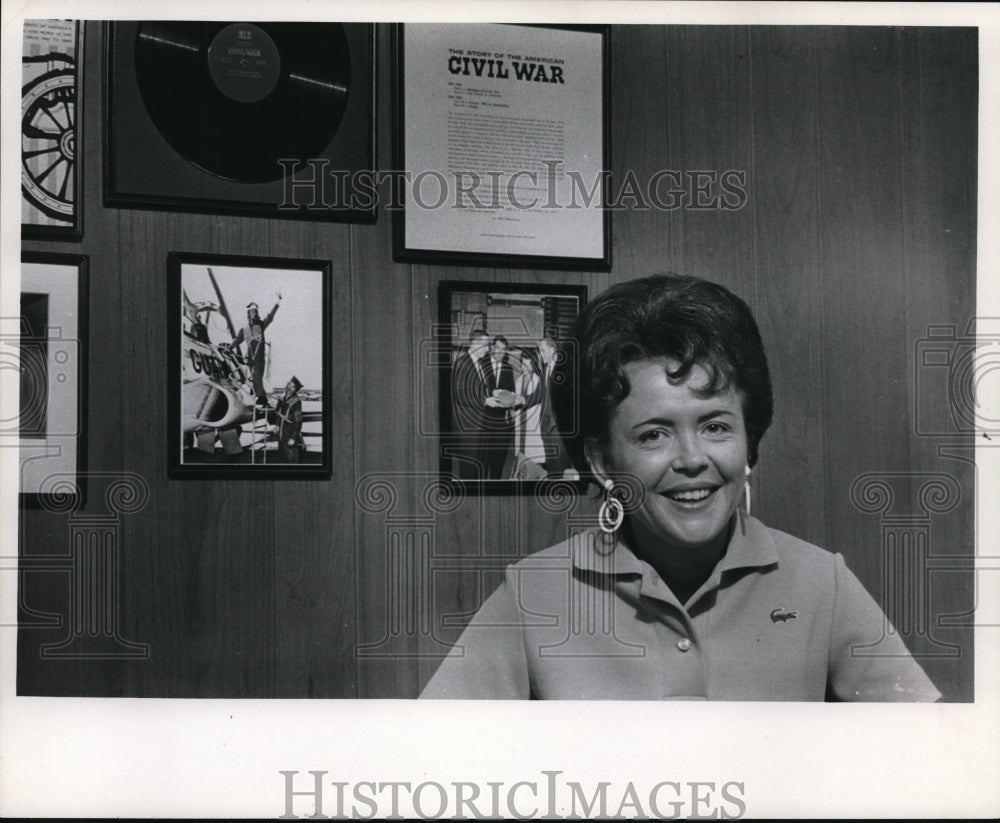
(692, 496)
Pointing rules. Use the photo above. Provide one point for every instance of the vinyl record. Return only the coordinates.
(234, 98)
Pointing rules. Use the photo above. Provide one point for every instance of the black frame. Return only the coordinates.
(444, 346)
(74, 232)
(177, 469)
(59, 497)
(402, 254)
(200, 191)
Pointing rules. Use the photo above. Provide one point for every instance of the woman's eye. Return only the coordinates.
(651, 436)
(716, 428)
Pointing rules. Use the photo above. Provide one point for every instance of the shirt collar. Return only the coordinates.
(597, 551)
(750, 546)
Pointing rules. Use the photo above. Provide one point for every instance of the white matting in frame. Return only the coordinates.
(52, 362)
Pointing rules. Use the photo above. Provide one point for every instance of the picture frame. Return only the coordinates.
(290, 136)
(512, 446)
(222, 369)
(49, 347)
(503, 158)
(51, 108)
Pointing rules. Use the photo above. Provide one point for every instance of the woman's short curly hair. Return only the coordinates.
(687, 319)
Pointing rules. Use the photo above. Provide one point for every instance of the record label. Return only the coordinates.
(244, 62)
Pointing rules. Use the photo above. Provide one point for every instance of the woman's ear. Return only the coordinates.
(595, 459)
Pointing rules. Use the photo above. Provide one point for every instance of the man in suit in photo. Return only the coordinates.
(556, 461)
(499, 422)
(468, 402)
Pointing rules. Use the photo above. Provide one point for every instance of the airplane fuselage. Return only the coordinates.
(215, 390)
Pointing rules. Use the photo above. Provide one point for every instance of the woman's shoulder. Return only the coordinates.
(786, 543)
(589, 548)
(552, 555)
(585, 549)
(794, 553)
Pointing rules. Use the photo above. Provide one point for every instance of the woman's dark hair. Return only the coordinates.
(687, 319)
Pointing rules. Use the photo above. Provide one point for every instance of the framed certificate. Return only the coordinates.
(502, 146)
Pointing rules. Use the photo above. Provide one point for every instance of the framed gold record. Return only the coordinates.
(267, 118)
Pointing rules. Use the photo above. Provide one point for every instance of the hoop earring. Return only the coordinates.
(612, 512)
(746, 490)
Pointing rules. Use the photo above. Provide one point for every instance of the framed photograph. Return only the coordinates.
(502, 137)
(249, 367)
(50, 141)
(275, 119)
(502, 348)
(50, 352)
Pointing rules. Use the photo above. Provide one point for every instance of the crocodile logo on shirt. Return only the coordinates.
(781, 616)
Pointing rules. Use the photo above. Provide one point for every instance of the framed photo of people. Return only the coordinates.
(49, 349)
(50, 140)
(248, 374)
(502, 140)
(503, 353)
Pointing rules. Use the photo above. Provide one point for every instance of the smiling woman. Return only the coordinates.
(687, 448)
(680, 593)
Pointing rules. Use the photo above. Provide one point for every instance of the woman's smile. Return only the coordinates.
(691, 496)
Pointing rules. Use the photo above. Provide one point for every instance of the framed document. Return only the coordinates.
(502, 352)
(502, 144)
(249, 367)
(50, 140)
(51, 346)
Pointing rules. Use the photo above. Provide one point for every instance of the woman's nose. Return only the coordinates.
(690, 456)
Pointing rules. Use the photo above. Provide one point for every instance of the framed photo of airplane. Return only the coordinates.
(249, 368)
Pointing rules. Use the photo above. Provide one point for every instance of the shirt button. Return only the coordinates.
(684, 644)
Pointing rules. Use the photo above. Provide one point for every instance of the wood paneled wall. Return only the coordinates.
(859, 149)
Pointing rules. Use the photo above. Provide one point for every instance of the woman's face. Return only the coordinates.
(689, 451)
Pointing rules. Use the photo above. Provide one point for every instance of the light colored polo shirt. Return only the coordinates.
(778, 619)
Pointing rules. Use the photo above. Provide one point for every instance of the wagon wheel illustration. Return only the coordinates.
(48, 143)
